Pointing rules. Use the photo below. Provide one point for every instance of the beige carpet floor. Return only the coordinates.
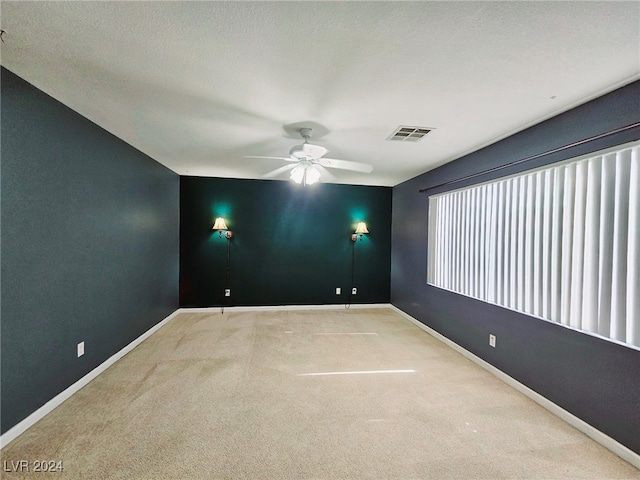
(212, 396)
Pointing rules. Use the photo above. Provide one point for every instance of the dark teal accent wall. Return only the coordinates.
(89, 244)
(291, 244)
(596, 380)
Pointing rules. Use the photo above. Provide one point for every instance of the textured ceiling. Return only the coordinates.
(199, 85)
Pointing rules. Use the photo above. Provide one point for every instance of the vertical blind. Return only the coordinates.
(561, 243)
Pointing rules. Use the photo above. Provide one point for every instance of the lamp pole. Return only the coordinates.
(227, 270)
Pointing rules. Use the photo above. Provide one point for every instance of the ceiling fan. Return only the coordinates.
(309, 164)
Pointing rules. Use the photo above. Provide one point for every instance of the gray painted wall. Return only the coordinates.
(90, 245)
(594, 379)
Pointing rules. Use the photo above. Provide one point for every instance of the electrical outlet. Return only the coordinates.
(80, 349)
(492, 341)
(354, 290)
(227, 292)
(338, 290)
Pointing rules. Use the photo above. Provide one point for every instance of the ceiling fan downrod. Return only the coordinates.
(306, 133)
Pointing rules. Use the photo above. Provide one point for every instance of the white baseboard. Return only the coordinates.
(40, 413)
(283, 308)
(595, 434)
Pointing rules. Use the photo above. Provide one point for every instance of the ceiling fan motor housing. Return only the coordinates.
(303, 151)
(306, 133)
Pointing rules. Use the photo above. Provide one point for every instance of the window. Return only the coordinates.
(560, 243)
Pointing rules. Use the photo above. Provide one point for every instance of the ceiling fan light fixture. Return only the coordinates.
(305, 174)
(312, 175)
(310, 165)
(297, 174)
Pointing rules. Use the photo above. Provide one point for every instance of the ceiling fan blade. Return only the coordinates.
(345, 165)
(313, 151)
(278, 171)
(326, 175)
(286, 159)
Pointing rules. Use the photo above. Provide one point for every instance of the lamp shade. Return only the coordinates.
(220, 224)
(362, 228)
(305, 173)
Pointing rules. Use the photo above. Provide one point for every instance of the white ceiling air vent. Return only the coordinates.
(408, 134)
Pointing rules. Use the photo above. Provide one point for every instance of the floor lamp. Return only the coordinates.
(221, 226)
(361, 229)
